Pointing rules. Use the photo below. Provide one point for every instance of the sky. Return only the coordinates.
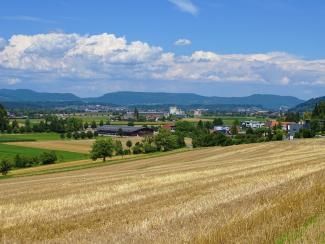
(208, 47)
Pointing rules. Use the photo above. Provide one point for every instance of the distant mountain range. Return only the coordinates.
(150, 98)
(308, 105)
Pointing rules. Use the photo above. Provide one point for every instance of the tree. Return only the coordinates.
(108, 122)
(5, 166)
(165, 140)
(76, 135)
(129, 144)
(86, 125)
(234, 127)
(119, 148)
(83, 135)
(102, 148)
(89, 134)
(69, 135)
(130, 123)
(136, 114)
(4, 121)
(93, 124)
(101, 122)
(14, 125)
(120, 132)
(217, 122)
(48, 157)
(28, 127)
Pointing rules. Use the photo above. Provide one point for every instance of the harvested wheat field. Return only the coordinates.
(257, 193)
(81, 146)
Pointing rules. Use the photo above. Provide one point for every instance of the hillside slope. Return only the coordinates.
(216, 195)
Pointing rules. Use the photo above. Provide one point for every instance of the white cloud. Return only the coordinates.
(3, 43)
(186, 6)
(182, 42)
(13, 81)
(85, 60)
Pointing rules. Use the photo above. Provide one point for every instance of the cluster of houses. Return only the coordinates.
(290, 128)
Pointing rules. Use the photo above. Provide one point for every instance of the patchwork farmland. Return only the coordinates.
(256, 193)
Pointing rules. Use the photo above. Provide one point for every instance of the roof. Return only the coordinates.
(116, 128)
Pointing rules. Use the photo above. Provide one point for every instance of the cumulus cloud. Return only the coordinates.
(182, 42)
(185, 6)
(13, 81)
(85, 60)
(3, 43)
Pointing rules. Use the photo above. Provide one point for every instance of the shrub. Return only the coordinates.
(48, 157)
(62, 135)
(83, 135)
(149, 148)
(76, 135)
(5, 166)
(69, 135)
(23, 161)
(137, 149)
(89, 135)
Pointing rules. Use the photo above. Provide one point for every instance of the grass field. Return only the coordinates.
(257, 193)
(10, 151)
(227, 120)
(30, 136)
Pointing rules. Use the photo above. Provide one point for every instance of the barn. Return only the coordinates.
(114, 130)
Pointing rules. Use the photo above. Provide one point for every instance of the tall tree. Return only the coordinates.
(4, 121)
(136, 114)
(102, 148)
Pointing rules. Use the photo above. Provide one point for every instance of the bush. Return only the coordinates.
(48, 157)
(62, 135)
(89, 135)
(149, 148)
(76, 135)
(83, 135)
(5, 166)
(137, 149)
(24, 161)
(69, 135)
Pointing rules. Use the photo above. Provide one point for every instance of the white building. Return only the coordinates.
(198, 113)
(253, 124)
(176, 111)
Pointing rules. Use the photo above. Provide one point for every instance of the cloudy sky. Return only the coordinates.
(209, 47)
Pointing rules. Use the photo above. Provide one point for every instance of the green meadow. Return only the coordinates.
(10, 151)
(29, 137)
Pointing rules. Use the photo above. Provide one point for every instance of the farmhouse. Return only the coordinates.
(124, 130)
(222, 129)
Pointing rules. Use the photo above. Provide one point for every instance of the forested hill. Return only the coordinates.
(149, 98)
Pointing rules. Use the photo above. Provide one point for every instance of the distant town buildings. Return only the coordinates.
(252, 124)
(197, 113)
(175, 111)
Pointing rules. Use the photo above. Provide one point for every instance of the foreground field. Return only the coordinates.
(261, 193)
(8, 151)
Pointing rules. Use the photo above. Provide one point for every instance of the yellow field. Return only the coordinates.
(257, 193)
(81, 146)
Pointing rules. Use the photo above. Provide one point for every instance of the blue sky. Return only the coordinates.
(210, 47)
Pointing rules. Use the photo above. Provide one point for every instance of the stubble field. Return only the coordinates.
(257, 193)
(79, 146)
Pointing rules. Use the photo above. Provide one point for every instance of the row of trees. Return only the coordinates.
(164, 141)
(23, 161)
